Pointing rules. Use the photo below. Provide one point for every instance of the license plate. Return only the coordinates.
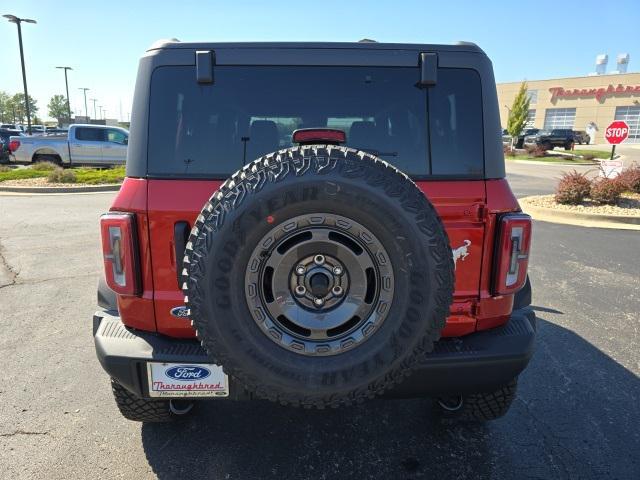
(187, 380)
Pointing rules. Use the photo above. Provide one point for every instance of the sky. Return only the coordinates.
(102, 41)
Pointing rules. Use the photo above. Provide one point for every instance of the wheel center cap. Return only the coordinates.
(319, 284)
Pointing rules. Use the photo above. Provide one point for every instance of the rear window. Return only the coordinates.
(212, 130)
(90, 134)
(455, 113)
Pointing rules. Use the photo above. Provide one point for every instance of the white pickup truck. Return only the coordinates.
(84, 144)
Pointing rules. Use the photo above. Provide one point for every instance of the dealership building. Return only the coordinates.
(587, 103)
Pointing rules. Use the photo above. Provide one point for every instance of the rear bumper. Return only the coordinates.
(482, 361)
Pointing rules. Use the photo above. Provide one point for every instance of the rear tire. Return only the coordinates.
(478, 407)
(140, 410)
(569, 146)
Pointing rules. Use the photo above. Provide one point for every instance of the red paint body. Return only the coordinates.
(467, 208)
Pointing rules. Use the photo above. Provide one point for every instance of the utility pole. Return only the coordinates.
(94, 100)
(66, 84)
(18, 21)
(86, 110)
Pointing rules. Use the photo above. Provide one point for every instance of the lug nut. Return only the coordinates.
(318, 301)
(300, 290)
(319, 259)
(300, 269)
(337, 270)
(337, 290)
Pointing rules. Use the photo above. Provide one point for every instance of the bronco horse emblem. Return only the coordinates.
(461, 252)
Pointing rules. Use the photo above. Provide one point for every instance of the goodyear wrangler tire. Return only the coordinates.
(318, 276)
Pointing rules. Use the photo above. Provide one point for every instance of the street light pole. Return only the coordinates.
(100, 107)
(94, 100)
(66, 84)
(18, 21)
(86, 110)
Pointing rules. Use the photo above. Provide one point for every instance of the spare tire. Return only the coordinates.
(318, 276)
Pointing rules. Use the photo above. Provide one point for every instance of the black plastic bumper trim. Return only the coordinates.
(482, 361)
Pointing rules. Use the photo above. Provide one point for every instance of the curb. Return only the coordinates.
(592, 220)
(49, 190)
(573, 164)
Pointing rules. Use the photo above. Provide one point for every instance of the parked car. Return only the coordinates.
(84, 144)
(56, 131)
(260, 247)
(5, 138)
(525, 133)
(506, 138)
(13, 126)
(581, 137)
(549, 139)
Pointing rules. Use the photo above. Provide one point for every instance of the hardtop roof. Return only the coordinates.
(456, 47)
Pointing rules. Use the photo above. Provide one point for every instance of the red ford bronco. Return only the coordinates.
(316, 224)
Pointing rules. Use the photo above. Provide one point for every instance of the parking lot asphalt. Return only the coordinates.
(540, 179)
(576, 416)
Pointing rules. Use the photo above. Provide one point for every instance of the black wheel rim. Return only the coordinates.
(319, 284)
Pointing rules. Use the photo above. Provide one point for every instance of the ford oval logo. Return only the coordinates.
(186, 372)
(180, 312)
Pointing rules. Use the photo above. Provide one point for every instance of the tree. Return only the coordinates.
(17, 102)
(6, 115)
(518, 113)
(58, 107)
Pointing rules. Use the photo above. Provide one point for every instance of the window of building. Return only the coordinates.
(533, 96)
(631, 115)
(559, 118)
(531, 118)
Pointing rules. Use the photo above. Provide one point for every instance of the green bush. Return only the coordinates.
(4, 168)
(100, 176)
(20, 173)
(606, 190)
(572, 188)
(60, 175)
(630, 178)
(44, 166)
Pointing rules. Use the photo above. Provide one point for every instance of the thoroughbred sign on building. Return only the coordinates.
(587, 103)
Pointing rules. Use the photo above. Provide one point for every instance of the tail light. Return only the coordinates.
(512, 253)
(120, 251)
(14, 145)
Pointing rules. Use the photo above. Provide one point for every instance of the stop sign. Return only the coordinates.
(616, 132)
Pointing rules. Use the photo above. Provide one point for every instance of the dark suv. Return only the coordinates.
(315, 224)
(549, 139)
